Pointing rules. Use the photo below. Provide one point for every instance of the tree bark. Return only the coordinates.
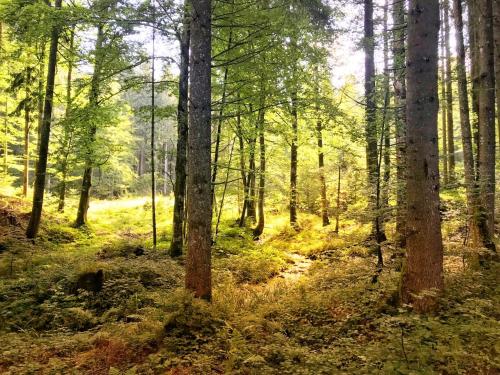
(486, 96)
(177, 243)
(41, 167)
(444, 112)
(199, 207)
(496, 33)
(370, 114)
(465, 126)
(424, 268)
(337, 211)
(294, 161)
(399, 58)
(449, 94)
(259, 229)
(26, 149)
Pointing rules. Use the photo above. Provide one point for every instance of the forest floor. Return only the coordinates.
(292, 302)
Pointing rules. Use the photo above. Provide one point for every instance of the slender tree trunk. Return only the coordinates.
(321, 158)
(294, 161)
(41, 167)
(337, 211)
(496, 33)
(153, 129)
(449, 94)
(244, 178)
(41, 72)
(26, 151)
(166, 169)
(220, 120)
(399, 58)
(199, 207)
(486, 122)
(251, 212)
(83, 206)
(463, 97)
(370, 113)
(67, 137)
(177, 243)
(424, 269)
(444, 113)
(474, 59)
(387, 122)
(262, 172)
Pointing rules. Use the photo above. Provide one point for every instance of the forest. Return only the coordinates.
(249, 187)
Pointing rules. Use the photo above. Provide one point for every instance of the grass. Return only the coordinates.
(329, 319)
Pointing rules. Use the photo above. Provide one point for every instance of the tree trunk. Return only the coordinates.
(251, 212)
(199, 207)
(43, 152)
(424, 269)
(152, 140)
(294, 162)
(262, 173)
(449, 94)
(337, 211)
(321, 158)
(177, 243)
(26, 150)
(444, 113)
(399, 63)
(463, 97)
(166, 169)
(387, 122)
(239, 133)
(67, 137)
(370, 113)
(496, 33)
(474, 59)
(220, 120)
(83, 206)
(486, 96)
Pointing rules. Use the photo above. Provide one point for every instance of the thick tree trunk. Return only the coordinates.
(43, 152)
(424, 269)
(370, 113)
(294, 161)
(399, 58)
(449, 94)
(83, 206)
(177, 243)
(486, 96)
(199, 207)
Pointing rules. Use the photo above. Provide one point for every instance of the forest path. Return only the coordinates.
(300, 266)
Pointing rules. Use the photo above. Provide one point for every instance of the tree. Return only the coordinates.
(370, 116)
(449, 93)
(424, 269)
(486, 98)
(399, 67)
(43, 152)
(199, 205)
(182, 133)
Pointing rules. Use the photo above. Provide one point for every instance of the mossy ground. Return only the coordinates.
(328, 318)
